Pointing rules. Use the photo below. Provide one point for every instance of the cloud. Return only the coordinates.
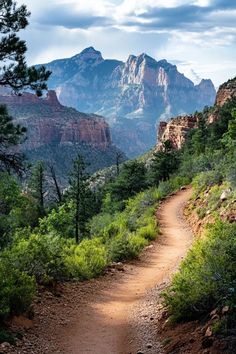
(191, 30)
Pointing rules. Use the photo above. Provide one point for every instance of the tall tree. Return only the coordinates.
(37, 185)
(15, 74)
(56, 184)
(78, 192)
(163, 164)
(14, 71)
(131, 180)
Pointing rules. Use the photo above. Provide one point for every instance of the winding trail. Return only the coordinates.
(118, 312)
(106, 322)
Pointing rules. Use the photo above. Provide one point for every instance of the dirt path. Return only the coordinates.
(114, 314)
(103, 325)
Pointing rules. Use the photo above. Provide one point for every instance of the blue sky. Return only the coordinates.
(199, 36)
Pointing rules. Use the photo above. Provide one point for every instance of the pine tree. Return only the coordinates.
(37, 186)
(79, 192)
(14, 72)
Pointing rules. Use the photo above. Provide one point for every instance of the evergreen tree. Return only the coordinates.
(15, 74)
(131, 180)
(10, 135)
(199, 139)
(56, 184)
(163, 164)
(37, 185)
(79, 193)
(13, 70)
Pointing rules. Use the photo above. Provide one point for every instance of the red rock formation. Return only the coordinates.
(175, 131)
(48, 122)
(177, 128)
(226, 92)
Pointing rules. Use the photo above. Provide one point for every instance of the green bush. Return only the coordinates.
(125, 246)
(17, 290)
(149, 231)
(59, 222)
(207, 277)
(86, 260)
(38, 255)
(206, 179)
(99, 223)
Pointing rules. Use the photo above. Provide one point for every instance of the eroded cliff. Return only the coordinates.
(176, 129)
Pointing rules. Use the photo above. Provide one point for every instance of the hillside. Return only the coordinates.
(177, 129)
(132, 95)
(56, 134)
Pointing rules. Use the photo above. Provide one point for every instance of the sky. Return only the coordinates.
(199, 36)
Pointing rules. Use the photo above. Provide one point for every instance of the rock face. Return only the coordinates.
(56, 133)
(226, 92)
(48, 122)
(177, 128)
(130, 95)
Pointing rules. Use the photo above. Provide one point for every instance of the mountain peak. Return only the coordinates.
(90, 50)
(89, 54)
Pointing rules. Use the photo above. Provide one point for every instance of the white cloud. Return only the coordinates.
(205, 40)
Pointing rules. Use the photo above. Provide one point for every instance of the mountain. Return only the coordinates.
(56, 134)
(133, 95)
(176, 129)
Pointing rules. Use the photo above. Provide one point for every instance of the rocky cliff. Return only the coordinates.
(176, 129)
(226, 92)
(130, 95)
(56, 133)
(48, 122)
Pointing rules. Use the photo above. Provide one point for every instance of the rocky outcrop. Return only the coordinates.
(48, 122)
(136, 93)
(176, 131)
(226, 92)
(57, 134)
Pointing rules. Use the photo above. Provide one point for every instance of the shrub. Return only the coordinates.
(86, 260)
(206, 179)
(17, 290)
(125, 246)
(148, 232)
(38, 255)
(207, 277)
(59, 222)
(99, 223)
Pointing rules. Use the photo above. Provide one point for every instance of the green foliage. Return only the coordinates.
(10, 135)
(60, 221)
(14, 71)
(126, 246)
(17, 290)
(83, 198)
(163, 164)
(148, 232)
(37, 186)
(207, 277)
(9, 336)
(131, 180)
(38, 255)
(206, 179)
(100, 222)
(10, 199)
(86, 260)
